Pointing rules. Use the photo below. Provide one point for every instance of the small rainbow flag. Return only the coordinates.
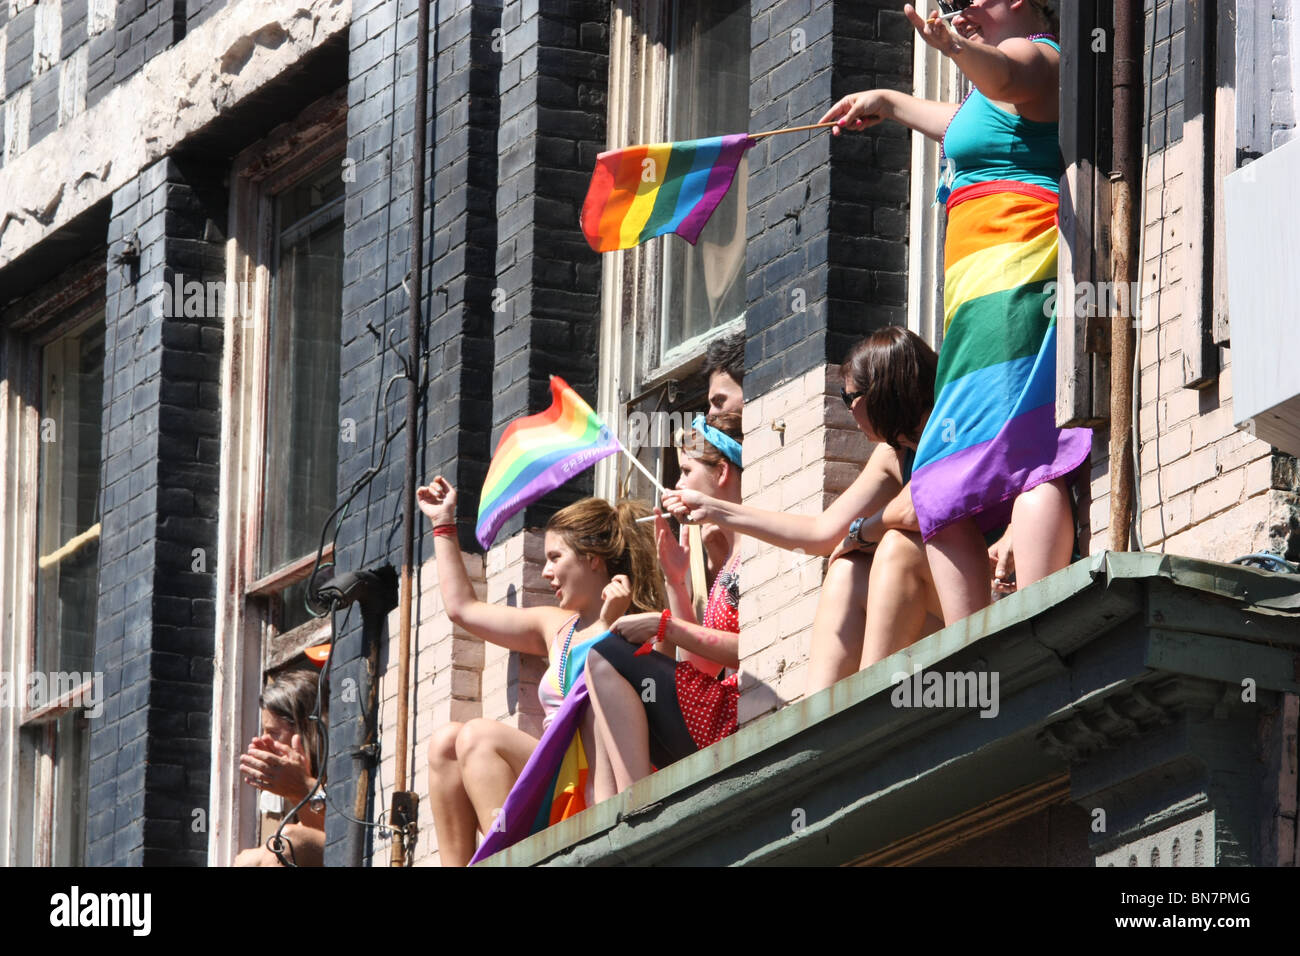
(538, 453)
(641, 192)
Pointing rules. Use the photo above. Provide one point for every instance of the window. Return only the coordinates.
(51, 412)
(935, 77)
(678, 71)
(301, 470)
(280, 428)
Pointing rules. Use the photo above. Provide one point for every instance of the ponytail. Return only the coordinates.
(594, 528)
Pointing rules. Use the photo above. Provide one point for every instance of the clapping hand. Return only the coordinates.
(276, 768)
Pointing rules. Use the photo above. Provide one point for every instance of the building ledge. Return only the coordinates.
(1117, 648)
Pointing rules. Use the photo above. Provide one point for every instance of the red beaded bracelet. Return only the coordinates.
(444, 530)
(648, 646)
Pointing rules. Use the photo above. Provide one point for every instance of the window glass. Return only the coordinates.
(303, 385)
(708, 95)
(72, 390)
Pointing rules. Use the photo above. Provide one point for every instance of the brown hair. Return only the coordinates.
(595, 528)
(726, 355)
(896, 370)
(1045, 9)
(291, 695)
(697, 446)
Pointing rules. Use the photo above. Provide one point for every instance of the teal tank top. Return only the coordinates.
(986, 143)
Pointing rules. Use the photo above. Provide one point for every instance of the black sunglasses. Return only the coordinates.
(953, 6)
(850, 397)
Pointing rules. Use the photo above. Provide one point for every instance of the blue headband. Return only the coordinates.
(719, 440)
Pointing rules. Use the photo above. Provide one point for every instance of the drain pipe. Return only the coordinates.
(1125, 177)
(403, 814)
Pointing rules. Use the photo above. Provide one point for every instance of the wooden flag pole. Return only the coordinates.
(792, 129)
(632, 458)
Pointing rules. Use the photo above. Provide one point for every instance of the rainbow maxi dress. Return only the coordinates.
(992, 433)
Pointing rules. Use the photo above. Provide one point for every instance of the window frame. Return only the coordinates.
(248, 643)
(632, 280)
(69, 304)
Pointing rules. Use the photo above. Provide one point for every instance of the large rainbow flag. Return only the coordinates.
(553, 784)
(640, 192)
(538, 453)
(992, 433)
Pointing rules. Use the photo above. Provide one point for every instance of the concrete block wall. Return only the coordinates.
(1284, 70)
(149, 755)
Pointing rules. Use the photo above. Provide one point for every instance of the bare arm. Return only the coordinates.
(526, 630)
(859, 111)
(813, 534)
(1017, 70)
(710, 649)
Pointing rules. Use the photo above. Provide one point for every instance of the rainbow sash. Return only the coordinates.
(992, 433)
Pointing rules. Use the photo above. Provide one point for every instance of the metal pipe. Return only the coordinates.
(412, 411)
(1125, 177)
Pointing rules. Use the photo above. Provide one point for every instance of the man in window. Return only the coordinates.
(724, 367)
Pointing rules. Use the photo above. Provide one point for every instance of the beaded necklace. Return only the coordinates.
(564, 657)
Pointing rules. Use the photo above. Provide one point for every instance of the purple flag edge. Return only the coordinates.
(525, 797)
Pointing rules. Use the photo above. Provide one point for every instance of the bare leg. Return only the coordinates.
(1044, 529)
(620, 716)
(453, 814)
(600, 775)
(840, 621)
(902, 606)
(491, 756)
(959, 565)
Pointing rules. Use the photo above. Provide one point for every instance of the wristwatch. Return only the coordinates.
(853, 539)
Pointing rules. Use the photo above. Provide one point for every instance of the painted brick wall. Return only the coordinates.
(1206, 489)
(1284, 68)
(1164, 59)
(827, 260)
(149, 759)
(460, 242)
(827, 227)
(554, 72)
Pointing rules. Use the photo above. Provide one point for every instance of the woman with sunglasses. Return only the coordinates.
(992, 450)
(877, 596)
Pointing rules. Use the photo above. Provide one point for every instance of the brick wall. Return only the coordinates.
(57, 67)
(827, 261)
(1206, 488)
(518, 107)
(1284, 71)
(149, 755)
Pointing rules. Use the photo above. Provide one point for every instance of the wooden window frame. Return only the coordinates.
(72, 302)
(1083, 340)
(247, 644)
(632, 280)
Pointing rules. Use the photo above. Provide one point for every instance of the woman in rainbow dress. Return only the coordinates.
(991, 449)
